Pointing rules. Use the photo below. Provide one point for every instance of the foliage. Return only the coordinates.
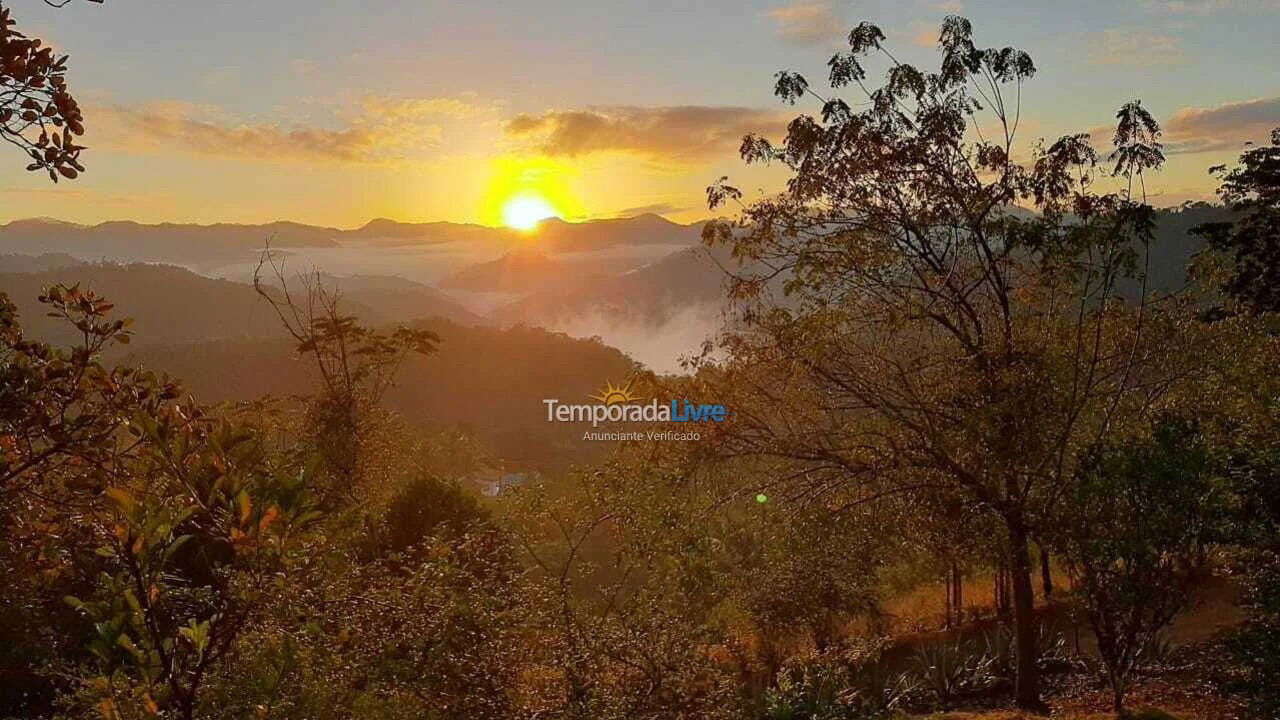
(192, 544)
(356, 364)
(933, 340)
(428, 506)
(626, 631)
(1255, 647)
(62, 405)
(1251, 243)
(37, 113)
(62, 415)
(849, 682)
(951, 669)
(1143, 515)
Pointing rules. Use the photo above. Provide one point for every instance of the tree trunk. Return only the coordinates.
(957, 583)
(1027, 683)
(999, 590)
(946, 609)
(1046, 574)
(1002, 591)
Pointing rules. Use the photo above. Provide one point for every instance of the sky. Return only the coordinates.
(338, 112)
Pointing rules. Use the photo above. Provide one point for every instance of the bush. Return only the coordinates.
(846, 683)
(1256, 647)
(428, 507)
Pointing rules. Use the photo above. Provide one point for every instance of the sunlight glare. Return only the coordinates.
(524, 212)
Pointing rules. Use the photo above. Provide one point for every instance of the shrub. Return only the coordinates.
(846, 683)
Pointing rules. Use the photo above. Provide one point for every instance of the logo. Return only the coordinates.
(610, 395)
(619, 403)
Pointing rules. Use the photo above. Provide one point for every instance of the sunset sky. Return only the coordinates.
(341, 111)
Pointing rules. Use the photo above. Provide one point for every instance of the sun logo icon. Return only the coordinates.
(611, 394)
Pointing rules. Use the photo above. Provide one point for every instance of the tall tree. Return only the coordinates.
(933, 336)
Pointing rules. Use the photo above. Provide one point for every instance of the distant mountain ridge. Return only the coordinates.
(126, 240)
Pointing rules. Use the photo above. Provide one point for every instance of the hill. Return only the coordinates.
(36, 263)
(651, 294)
(525, 271)
(486, 381)
(184, 243)
(170, 304)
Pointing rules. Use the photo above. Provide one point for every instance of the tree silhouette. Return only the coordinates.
(1252, 243)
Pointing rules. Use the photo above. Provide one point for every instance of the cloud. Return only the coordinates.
(1210, 7)
(1135, 47)
(410, 109)
(1225, 127)
(676, 133)
(382, 130)
(807, 23)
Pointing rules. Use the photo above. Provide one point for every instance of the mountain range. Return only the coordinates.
(193, 244)
(643, 284)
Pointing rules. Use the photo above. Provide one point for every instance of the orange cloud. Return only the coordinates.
(677, 133)
(808, 23)
(1135, 47)
(384, 130)
(1224, 127)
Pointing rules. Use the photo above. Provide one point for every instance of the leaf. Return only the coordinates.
(122, 499)
(173, 548)
(268, 517)
(246, 506)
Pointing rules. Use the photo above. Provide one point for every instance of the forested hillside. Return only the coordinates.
(487, 382)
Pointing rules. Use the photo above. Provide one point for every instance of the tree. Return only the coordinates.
(357, 365)
(1141, 518)
(59, 405)
(62, 416)
(38, 115)
(195, 537)
(1251, 243)
(931, 335)
(165, 523)
(621, 606)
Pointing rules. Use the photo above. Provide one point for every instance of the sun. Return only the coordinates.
(521, 191)
(526, 210)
